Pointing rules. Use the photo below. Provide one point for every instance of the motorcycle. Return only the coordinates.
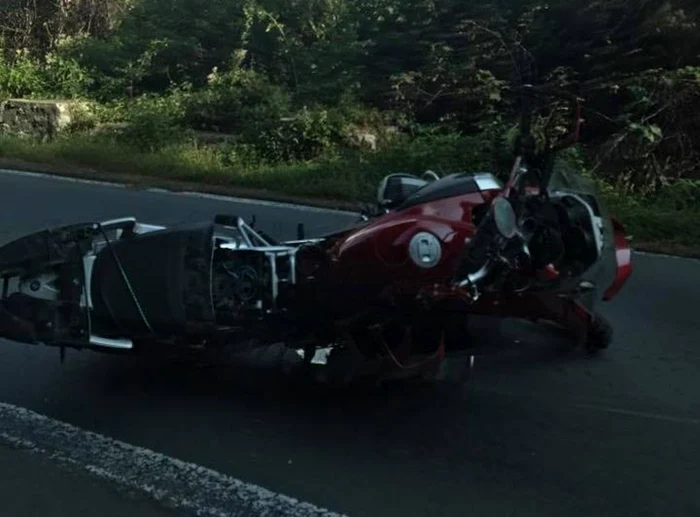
(388, 297)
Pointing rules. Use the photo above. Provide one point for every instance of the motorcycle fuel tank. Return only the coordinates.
(408, 247)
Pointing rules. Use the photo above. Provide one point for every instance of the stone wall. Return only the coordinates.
(41, 119)
(44, 119)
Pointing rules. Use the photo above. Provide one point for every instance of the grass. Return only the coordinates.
(668, 224)
(341, 179)
(659, 229)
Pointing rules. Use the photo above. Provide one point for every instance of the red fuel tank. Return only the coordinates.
(412, 246)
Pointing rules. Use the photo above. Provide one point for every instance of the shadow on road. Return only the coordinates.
(266, 392)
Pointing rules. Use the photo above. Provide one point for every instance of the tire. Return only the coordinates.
(600, 335)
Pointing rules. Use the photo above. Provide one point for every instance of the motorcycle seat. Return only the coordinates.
(169, 273)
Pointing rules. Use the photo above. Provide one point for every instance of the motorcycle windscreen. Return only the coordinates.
(602, 274)
(42, 280)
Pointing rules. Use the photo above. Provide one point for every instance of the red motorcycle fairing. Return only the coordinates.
(377, 255)
(623, 257)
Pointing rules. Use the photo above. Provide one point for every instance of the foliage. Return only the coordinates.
(303, 137)
(237, 101)
(20, 77)
(294, 80)
(64, 77)
(154, 123)
(353, 176)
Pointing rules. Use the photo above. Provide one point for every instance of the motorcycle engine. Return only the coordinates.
(241, 285)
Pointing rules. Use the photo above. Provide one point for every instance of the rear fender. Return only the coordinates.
(45, 283)
(42, 280)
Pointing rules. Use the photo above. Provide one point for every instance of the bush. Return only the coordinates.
(83, 119)
(65, 78)
(309, 134)
(442, 152)
(682, 195)
(238, 102)
(261, 115)
(56, 77)
(21, 77)
(154, 123)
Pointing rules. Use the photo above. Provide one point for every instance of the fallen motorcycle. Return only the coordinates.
(387, 297)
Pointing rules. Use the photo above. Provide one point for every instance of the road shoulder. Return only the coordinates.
(32, 485)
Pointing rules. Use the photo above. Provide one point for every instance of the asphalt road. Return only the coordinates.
(33, 486)
(536, 431)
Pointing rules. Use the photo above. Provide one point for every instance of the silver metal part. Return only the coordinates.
(302, 242)
(586, 287)
(88, 263)
(431, 175)
(320, 356)
(41, 286)
(121, 344)
(118, 223)
(476, 277)
(381, 190)
(487, 181)
(425, 250)
(293, 266)
(254, 238)
(274, 253)
(244, 238)
(275, 279)
(147, 228)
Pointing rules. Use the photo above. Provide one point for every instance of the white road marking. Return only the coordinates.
(665, 256)
(173, 482)
(642, 414)
(203, 195)
(61, 178)
(262, 202)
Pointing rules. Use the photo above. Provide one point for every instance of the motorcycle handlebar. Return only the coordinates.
(473, 279)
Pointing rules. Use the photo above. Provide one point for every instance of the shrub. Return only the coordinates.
(308, 135)
(21, 77)
(56, 77)
(154, 123)
(64, 77)
(434, 149)
(82, 119)
(238, 102)
(682, 195)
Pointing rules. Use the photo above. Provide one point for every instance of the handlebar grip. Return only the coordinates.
(473, 279)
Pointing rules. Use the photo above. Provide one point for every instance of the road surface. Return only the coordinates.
(536, 432)
(33, 486)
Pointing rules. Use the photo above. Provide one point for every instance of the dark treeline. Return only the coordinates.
(239, 65)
